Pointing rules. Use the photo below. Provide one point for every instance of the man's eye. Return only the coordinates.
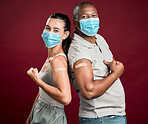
(84, 16)
(94, 15)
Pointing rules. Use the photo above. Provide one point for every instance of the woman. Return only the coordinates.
(53, 80)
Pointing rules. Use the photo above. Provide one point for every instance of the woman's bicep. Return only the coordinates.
(60, 75)
(61, 80)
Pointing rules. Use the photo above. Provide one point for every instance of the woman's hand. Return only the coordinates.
(33, 73)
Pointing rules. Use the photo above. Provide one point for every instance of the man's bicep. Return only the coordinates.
(83, 74)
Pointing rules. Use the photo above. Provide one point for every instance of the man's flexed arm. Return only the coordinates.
(91, 88)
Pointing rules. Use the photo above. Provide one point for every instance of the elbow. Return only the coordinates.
(88, 96)
(91, 95)
(91, 92)
(89, 89)
(66, 100)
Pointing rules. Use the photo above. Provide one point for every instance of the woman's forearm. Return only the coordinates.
(57, 94)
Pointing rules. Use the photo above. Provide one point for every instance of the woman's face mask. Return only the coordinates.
(53, 33)
(89, 26)
(51, 39)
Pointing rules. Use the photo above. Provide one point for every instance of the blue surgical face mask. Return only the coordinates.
(89, 26)
(51, 39)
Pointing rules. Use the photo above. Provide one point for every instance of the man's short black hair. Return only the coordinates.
(77, 8)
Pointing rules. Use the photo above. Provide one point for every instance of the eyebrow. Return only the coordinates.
(92, 13)
(47, 25)
(95, 13)
(54, 27)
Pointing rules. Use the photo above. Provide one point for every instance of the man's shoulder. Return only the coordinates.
(77, 45)
(98, 36)
(101, 40)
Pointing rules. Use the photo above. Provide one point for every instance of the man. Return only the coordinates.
(94, 71)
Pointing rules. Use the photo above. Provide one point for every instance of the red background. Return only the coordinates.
(123, 25)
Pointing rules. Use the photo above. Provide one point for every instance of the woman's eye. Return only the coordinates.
(47, 28)
(56, 30)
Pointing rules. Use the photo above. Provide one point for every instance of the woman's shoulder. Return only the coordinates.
(59, 60)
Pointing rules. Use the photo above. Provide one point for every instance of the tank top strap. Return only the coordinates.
(62, 54)
(51, 58)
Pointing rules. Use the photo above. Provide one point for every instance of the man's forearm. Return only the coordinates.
(101, 86)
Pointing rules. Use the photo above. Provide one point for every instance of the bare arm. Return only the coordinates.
(91, 88)
(29, 117)
(62, 93)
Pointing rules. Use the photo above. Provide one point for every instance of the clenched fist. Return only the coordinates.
(115, 67)
(33, 73)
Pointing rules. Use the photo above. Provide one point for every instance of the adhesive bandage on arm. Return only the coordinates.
(60, 69)
(80, 65)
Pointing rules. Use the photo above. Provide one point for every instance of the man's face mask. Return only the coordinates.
(89, 26)
(51, 39)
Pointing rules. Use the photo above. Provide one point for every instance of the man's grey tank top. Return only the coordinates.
(47, 77)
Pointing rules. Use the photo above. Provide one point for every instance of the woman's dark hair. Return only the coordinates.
(66, 43)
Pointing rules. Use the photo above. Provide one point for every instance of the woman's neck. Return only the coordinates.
(55, 50)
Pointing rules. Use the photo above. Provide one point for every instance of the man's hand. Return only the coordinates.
(115, 67)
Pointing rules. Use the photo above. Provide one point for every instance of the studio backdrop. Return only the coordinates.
(124, 25)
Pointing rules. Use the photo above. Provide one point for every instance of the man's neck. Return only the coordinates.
(90, 39)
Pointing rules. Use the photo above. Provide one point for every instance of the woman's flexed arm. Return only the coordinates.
(61, 93)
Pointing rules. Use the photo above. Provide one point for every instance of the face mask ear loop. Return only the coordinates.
(80, 26)
(89, 31)
(79, 22)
